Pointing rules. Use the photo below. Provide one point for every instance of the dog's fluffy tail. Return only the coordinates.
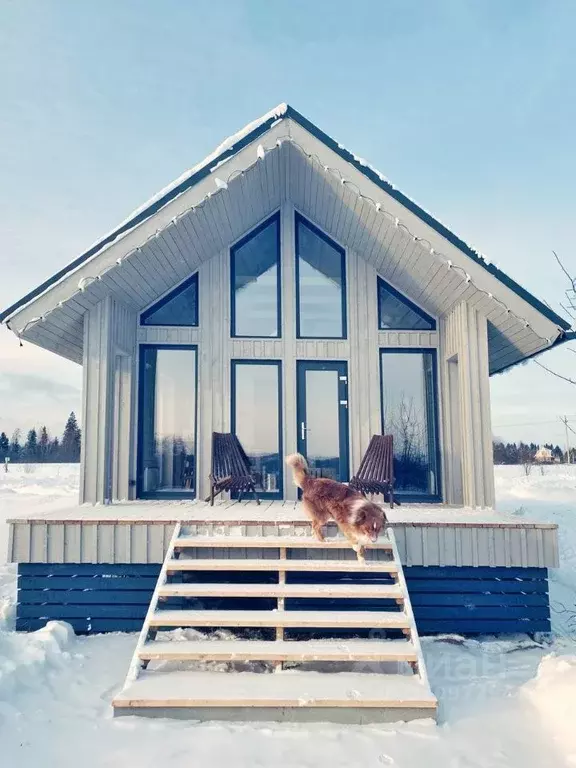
(299, 467)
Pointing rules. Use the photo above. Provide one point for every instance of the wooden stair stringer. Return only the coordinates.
(160, 691)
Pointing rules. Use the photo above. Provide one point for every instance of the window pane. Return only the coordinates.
(255, 275)
(323, 423)
(168, 414)
(320, 285)
(178, 308)
(409, 414)
(256, 421)
(398, 313)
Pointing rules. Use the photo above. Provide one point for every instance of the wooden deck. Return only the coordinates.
(139, 532)
(246, 512)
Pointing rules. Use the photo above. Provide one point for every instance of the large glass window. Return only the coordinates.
(256, 420)
(179, 307)
(396, 312)
(255, 271)
(167, 456)
(409, 414)
(320, 284)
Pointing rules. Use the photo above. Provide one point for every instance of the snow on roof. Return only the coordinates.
(227, 144)
(224, 150)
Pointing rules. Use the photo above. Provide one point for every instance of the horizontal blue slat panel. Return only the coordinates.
(484, 627)
(475, 587)
(65, 612)
(83, 626)
(441, 599)
(83, 596)
(485, 612)
(471, 572)
(99, 583)
(102, 598)
(89, 569)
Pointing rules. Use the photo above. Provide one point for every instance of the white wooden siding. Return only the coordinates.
(109, 466)
(108, 402)
(467, 455)
(519, 546)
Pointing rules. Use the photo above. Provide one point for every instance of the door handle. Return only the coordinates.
(303, 430)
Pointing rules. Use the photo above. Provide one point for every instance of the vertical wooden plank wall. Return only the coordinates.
(110, 364)
(464, 342)
(216, 348)
(109, 359)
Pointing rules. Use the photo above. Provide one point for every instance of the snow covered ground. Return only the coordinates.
(504, 703)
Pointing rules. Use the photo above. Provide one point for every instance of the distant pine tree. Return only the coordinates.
(70, 447)
(15, 447)
(43, 445)
(4, 446)
(54, 451)
(31, 446)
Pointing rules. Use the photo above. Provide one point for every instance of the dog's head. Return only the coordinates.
(369, 520)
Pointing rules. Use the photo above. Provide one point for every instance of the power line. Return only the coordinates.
(530, 423)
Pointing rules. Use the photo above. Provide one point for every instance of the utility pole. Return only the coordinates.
(565, 422)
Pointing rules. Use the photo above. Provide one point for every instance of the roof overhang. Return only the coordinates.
(281, 157)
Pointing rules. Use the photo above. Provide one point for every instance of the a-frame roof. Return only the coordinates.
(230, 161)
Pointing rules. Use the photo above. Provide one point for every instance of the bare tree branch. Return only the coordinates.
(563, 268)
(558, 375)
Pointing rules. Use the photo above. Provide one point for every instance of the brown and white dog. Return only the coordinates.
(359, 519)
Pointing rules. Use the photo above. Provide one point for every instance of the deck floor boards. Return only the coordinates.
(271, 512)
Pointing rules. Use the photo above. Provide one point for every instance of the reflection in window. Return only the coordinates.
(398, 313)
(179, 307)
(255, 270)
(409, 414)
(320, 274)
(322, 422)
(167, 462)
(256, 421)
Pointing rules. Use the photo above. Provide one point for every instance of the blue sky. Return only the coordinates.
(467, 106)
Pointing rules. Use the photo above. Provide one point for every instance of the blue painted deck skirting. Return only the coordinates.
(114, 598)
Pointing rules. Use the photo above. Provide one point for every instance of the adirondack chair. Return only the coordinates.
(376, 471)
(230, 467)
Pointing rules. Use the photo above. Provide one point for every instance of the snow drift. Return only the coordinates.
(553, 693)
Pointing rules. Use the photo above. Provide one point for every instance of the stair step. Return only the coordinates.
(237, 564)
(364, 590)
(295, 619)
(280, 650)
(283, 689)
(274, 542)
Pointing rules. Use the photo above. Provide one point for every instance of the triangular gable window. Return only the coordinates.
(396, 312)
(179, 307)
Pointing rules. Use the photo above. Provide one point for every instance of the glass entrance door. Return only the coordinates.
(322, 412)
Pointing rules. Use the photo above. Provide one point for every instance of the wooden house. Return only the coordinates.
(285, 291)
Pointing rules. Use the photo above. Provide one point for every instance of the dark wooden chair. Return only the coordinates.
(230, 468)
(376, 472)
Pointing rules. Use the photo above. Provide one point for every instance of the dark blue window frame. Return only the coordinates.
(233, 249)
(193, 280)
(432, 353)
(299, 219)
(279, 493)
(397, 295)
(140, 494)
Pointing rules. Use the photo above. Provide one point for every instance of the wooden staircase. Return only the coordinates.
(337, 636)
